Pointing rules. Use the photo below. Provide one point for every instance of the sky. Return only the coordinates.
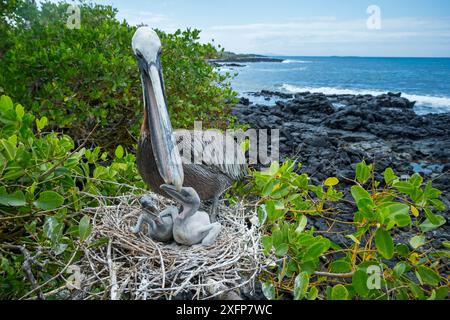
(395, 28)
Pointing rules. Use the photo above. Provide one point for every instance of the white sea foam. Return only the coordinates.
(440, 104)
(279, 70)
(328, 90)
(295, 61)
(223, 69)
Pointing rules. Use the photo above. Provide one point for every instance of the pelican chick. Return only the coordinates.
(160, 228)
(191, 226)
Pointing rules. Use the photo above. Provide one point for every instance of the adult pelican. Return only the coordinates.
(158, 158)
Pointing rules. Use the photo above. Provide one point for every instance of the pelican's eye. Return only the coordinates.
(139, 54)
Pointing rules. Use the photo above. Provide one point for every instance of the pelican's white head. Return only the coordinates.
(146, 44)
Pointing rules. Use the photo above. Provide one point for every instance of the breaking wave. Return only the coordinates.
(439, 104)
(295, 61)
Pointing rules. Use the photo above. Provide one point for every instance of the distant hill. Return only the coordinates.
(227, 56)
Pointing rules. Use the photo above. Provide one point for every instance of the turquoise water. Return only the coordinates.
(424, 80)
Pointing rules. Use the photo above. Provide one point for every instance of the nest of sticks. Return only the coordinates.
(129, 266)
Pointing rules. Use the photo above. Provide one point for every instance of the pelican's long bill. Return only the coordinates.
(163, 141)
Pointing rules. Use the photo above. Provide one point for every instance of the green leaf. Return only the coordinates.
(269, 187)
(359, 193)
(353, 238)
(404, 187)
(442, 293)
(16, 199)
(440, 253)
(389, 176)
(339, 292)
(262, 214)
(119, 152)
(268, 290)
(49, 200)
(402, 249)
(313, 293)
(428, 276)
(438, 204)
(416, 180)
(416, 290)
(314, 251)
(400, 269)
(396, 214)
(431, 216)
(274, 209)
(59, 248)
(301, 224)
(340, 266)
(20, 111)
(267, 243)
(6, 103)
(301, 284)
(41, 123)
(430, 192)
(301, 181)
(274, 167)
(84, 228)
(363, 172)
(53, 229)
(281, 250)
(384, 243)
(10, 149)
(281, 191)
(427, 226)
(359, 282)
(331, 182)
(417, 241)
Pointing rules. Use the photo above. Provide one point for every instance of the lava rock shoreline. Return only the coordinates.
(330, 134)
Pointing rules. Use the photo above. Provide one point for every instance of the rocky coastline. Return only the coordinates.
(330, 134)
(231, 59)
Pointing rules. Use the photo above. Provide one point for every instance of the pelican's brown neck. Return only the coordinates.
(145, 128)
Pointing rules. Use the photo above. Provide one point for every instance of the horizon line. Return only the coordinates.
(349, 56)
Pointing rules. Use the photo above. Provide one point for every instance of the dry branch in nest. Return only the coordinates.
(136, 267)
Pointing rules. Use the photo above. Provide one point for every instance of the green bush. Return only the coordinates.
(308, 265)
(44, 182)
(79, 78)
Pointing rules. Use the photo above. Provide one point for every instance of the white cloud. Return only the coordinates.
(135, 17)
(332, 36)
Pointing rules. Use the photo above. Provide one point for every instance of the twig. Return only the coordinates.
(55, 277)
(112, 274)
(26, 267)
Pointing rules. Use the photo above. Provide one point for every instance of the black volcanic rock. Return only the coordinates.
(330, 134)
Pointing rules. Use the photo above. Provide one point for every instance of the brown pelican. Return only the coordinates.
(158, 158)
(191, 226)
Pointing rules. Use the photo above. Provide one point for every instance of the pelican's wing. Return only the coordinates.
(213, 149)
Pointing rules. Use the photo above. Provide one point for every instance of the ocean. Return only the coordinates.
(424, 80)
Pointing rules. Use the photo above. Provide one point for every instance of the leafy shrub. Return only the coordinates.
(44, 180)
(78, 78)
(308, 265)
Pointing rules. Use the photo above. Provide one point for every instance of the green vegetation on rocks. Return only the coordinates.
(306, 264)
